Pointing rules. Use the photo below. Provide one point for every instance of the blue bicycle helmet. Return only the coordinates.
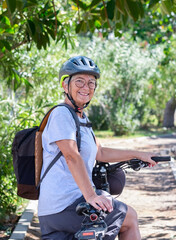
(76, 65)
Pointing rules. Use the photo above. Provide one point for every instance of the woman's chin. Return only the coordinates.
(82, 103)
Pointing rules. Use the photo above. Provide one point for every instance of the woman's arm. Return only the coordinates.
(105, 154)
(78, 170)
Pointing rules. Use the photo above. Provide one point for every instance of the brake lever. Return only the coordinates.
(137, 164)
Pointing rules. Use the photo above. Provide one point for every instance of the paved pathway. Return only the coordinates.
(151, 191)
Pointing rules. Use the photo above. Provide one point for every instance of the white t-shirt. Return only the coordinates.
(58, 189)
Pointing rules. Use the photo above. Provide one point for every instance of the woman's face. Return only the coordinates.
(81, 88)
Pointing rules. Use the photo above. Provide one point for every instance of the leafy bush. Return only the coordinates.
(8, 198)
(123, 121)
(126, 70)
(15, 116)
(98, 117)
(21, 110)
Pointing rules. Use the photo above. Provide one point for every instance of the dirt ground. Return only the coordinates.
(150, 191)
(152, 194)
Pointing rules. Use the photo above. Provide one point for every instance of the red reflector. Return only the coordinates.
(88, 234)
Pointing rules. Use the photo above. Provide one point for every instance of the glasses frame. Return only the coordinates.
(84, 83)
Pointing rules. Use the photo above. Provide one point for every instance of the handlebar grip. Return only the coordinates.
(161, 159)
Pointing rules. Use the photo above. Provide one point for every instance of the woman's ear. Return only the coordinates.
(65, 86)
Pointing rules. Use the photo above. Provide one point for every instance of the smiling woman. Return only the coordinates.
(83, 72)
(81, 88)
(69, 181)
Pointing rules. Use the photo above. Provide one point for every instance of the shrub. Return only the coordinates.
(98, 117)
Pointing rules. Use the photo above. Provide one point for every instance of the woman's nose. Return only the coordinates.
(86, 85)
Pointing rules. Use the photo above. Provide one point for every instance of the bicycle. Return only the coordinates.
(93, 226)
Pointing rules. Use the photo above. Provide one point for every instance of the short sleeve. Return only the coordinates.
(60, 126)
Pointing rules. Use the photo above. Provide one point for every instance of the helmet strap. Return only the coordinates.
(77, 109)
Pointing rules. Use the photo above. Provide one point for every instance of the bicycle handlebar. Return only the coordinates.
(161, 159)
(135, 164)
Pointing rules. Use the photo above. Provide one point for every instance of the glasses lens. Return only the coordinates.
(81, 83)
(92, 84)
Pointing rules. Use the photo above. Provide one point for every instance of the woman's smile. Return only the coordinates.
(83, 94)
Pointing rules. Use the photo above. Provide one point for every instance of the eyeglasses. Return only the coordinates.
(80, 83)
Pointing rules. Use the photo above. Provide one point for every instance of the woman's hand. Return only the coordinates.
(100, 202)
(146, 157)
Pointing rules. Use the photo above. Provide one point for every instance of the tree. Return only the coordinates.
(156, 29)
(32, 21)
(162, 85)
(25, 23)
(169, 73)
(169, 113)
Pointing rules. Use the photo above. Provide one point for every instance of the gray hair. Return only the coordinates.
(66, 80)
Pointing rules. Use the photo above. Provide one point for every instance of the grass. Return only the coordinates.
(152, 131)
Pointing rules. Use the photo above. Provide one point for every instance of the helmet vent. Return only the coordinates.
(91, 63)
(83, 61)
(79, 65)
(76, 63)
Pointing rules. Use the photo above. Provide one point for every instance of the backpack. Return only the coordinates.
(28, 156)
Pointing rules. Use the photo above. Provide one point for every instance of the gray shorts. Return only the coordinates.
(63, 225)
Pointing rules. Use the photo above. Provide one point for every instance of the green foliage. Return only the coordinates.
(8, 200)
(26, 23)
(154, 28)
(21, 109)
(16, 116)
(100, 120)
(41, 22)
(112, 16)
(29, 21)
(126, 70)
(162, 85)
(123, 120)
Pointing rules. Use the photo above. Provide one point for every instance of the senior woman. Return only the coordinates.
(69, 182)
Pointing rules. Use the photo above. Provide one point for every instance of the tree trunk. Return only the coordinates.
(169, 111)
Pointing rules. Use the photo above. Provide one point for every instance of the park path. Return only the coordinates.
(151, 191)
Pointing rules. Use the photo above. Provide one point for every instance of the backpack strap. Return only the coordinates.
(49, 167)
(45, 119)
(77, 122)
(88, 124)
(78, 135)
(74, 115)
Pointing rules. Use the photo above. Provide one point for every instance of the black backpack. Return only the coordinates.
(28, 156)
